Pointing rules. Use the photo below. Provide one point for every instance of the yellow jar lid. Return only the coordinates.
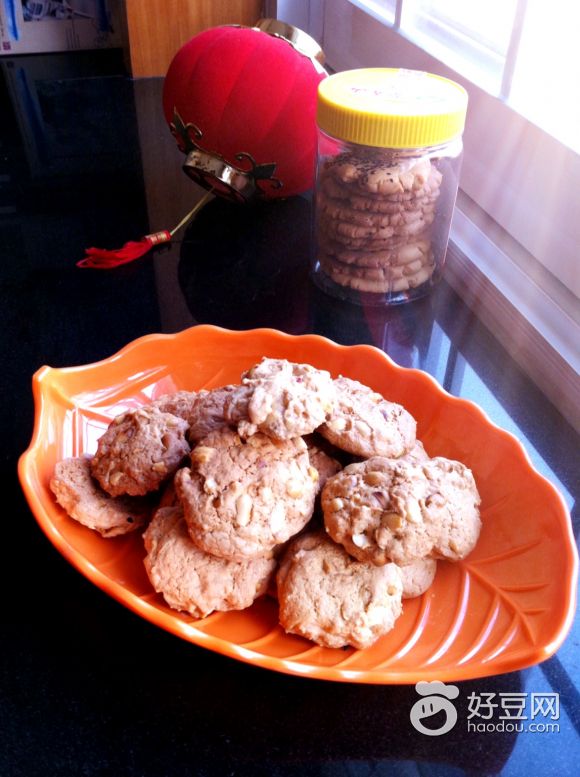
(391, 107)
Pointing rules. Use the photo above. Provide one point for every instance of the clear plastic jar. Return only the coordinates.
(389, 154)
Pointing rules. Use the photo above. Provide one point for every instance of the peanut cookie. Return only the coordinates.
(416, 455)
(168, 495)
(83, 500)
(242, 498)
(375, 174)
(396, 257)
(374, 204)
(179, 403)
(208, 412)
(385, 273)
(287, 400)
(366, 424)
(387, 238)
(193, 581)
(359, 236)
(139, 451)
(418, 577)
(345, 231)
(392, 281)
(325, 465)
(335, 209)
(383, 510)
(328, 597)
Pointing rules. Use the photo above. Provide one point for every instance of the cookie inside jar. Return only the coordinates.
(389, 155)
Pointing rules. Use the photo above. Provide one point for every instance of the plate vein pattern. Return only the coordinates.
(458, 618)
(510, 552)
(508, 601)
(419, 627)
(504, 642)
(309, 652)
(486, 630)
(262, 641)
(348, 659)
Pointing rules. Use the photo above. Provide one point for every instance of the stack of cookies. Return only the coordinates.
(374, 216)
(322, 480)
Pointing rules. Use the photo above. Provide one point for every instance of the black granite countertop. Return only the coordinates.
(89, 688)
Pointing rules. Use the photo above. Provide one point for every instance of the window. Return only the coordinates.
(518, 61)
(474, 38)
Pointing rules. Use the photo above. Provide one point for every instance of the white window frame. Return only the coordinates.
(518, 214)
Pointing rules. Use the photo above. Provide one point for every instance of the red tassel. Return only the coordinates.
(103, 259)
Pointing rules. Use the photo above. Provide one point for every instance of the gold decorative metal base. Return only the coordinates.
(211, 172)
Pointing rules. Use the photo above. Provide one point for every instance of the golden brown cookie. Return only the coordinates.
(241, 498)
(383, 510)
(396, 257)
(416, 455)
(178, 403)
(366, 424)
(207, 413)
(373, 173)
(381, 204)
(193, 581)
(325, 465)
(341, 236)
(285, 399)
(139, 451)
(83, 499)
(393, 279)
(330, 598)
(331, 208)
(383, 273)
(418, 577)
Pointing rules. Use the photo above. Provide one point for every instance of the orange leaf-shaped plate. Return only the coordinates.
(507, 606)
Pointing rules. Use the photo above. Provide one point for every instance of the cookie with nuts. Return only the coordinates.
(366, 424)
(398, 203)
(322, 458)
(208, 414)
(383, 510)
(179, 403)
(193, 581)
(139, 451)
(379, 175)
(82, 498)
(242, 498)
(380, 281)
(399, 257)
(418, 577)
(285, 400)
(330, 598)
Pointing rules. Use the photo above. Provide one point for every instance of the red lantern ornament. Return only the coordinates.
(241, 103)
